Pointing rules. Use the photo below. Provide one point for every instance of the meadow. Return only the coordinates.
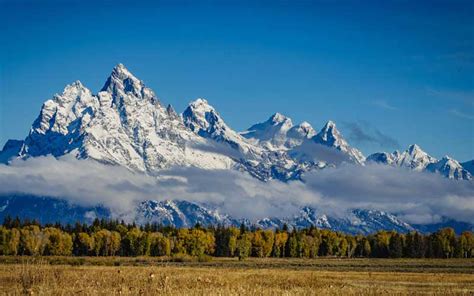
(229, 276)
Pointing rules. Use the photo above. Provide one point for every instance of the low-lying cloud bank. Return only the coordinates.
(416, 197)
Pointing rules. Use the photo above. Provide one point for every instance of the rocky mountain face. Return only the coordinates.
(279, 133)
(126, 124)
(415, 158)
(181, 213)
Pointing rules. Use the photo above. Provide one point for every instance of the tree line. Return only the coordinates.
(114, 238)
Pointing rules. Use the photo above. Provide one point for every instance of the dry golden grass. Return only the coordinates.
(229, 277)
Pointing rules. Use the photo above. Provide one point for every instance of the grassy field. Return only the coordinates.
(156, 276)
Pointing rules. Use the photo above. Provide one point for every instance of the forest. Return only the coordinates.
(114, 238)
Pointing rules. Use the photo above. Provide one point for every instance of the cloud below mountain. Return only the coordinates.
(416, 197)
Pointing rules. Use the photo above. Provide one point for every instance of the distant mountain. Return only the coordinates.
(355, 221)
(459, 227)
(181, 213)
(449, 168)
(48, 210)
(331, 137)
(415, 158)
(203, 119)
(279, 133)
(328, 147)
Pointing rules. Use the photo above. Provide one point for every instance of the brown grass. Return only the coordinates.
(230, 277)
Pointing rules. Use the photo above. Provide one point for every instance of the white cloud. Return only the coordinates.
(460, 114)
(417, 197)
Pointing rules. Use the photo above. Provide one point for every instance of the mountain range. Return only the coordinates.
(125, 124)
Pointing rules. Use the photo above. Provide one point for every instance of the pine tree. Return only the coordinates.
(396, 246)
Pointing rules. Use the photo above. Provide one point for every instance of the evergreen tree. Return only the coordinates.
(396, 246)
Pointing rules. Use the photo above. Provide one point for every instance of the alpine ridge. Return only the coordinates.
(126, 124)
(414, 158)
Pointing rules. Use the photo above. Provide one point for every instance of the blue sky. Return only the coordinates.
(389, 74)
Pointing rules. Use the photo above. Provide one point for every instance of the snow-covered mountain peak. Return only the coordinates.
(306, 125)
(449, 168)
(119, 72)
(329, 125)
(331, 137)
(414, 149)
(72, 92)
(124, 86)
(200, 116)
(278, 118)
(302, 131)
(205, 121)
(75, 85)
(124, 124)
(272, 134)
(415, 158)
(201, 105)
(60, 125)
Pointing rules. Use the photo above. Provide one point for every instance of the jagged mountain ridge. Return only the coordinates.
(126, 124)
(181, 213)
(279, 133)
(416, 159)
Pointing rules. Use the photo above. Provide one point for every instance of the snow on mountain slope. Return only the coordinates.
(278, 133)
(331, 137)
(450, 168)
(299, 133)
(181, 213)
(354, 222)
(204, 120)
(415, 158)
(264, 164)
(328, 147)
(124, 124)
(187, 214)
(60, 127)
